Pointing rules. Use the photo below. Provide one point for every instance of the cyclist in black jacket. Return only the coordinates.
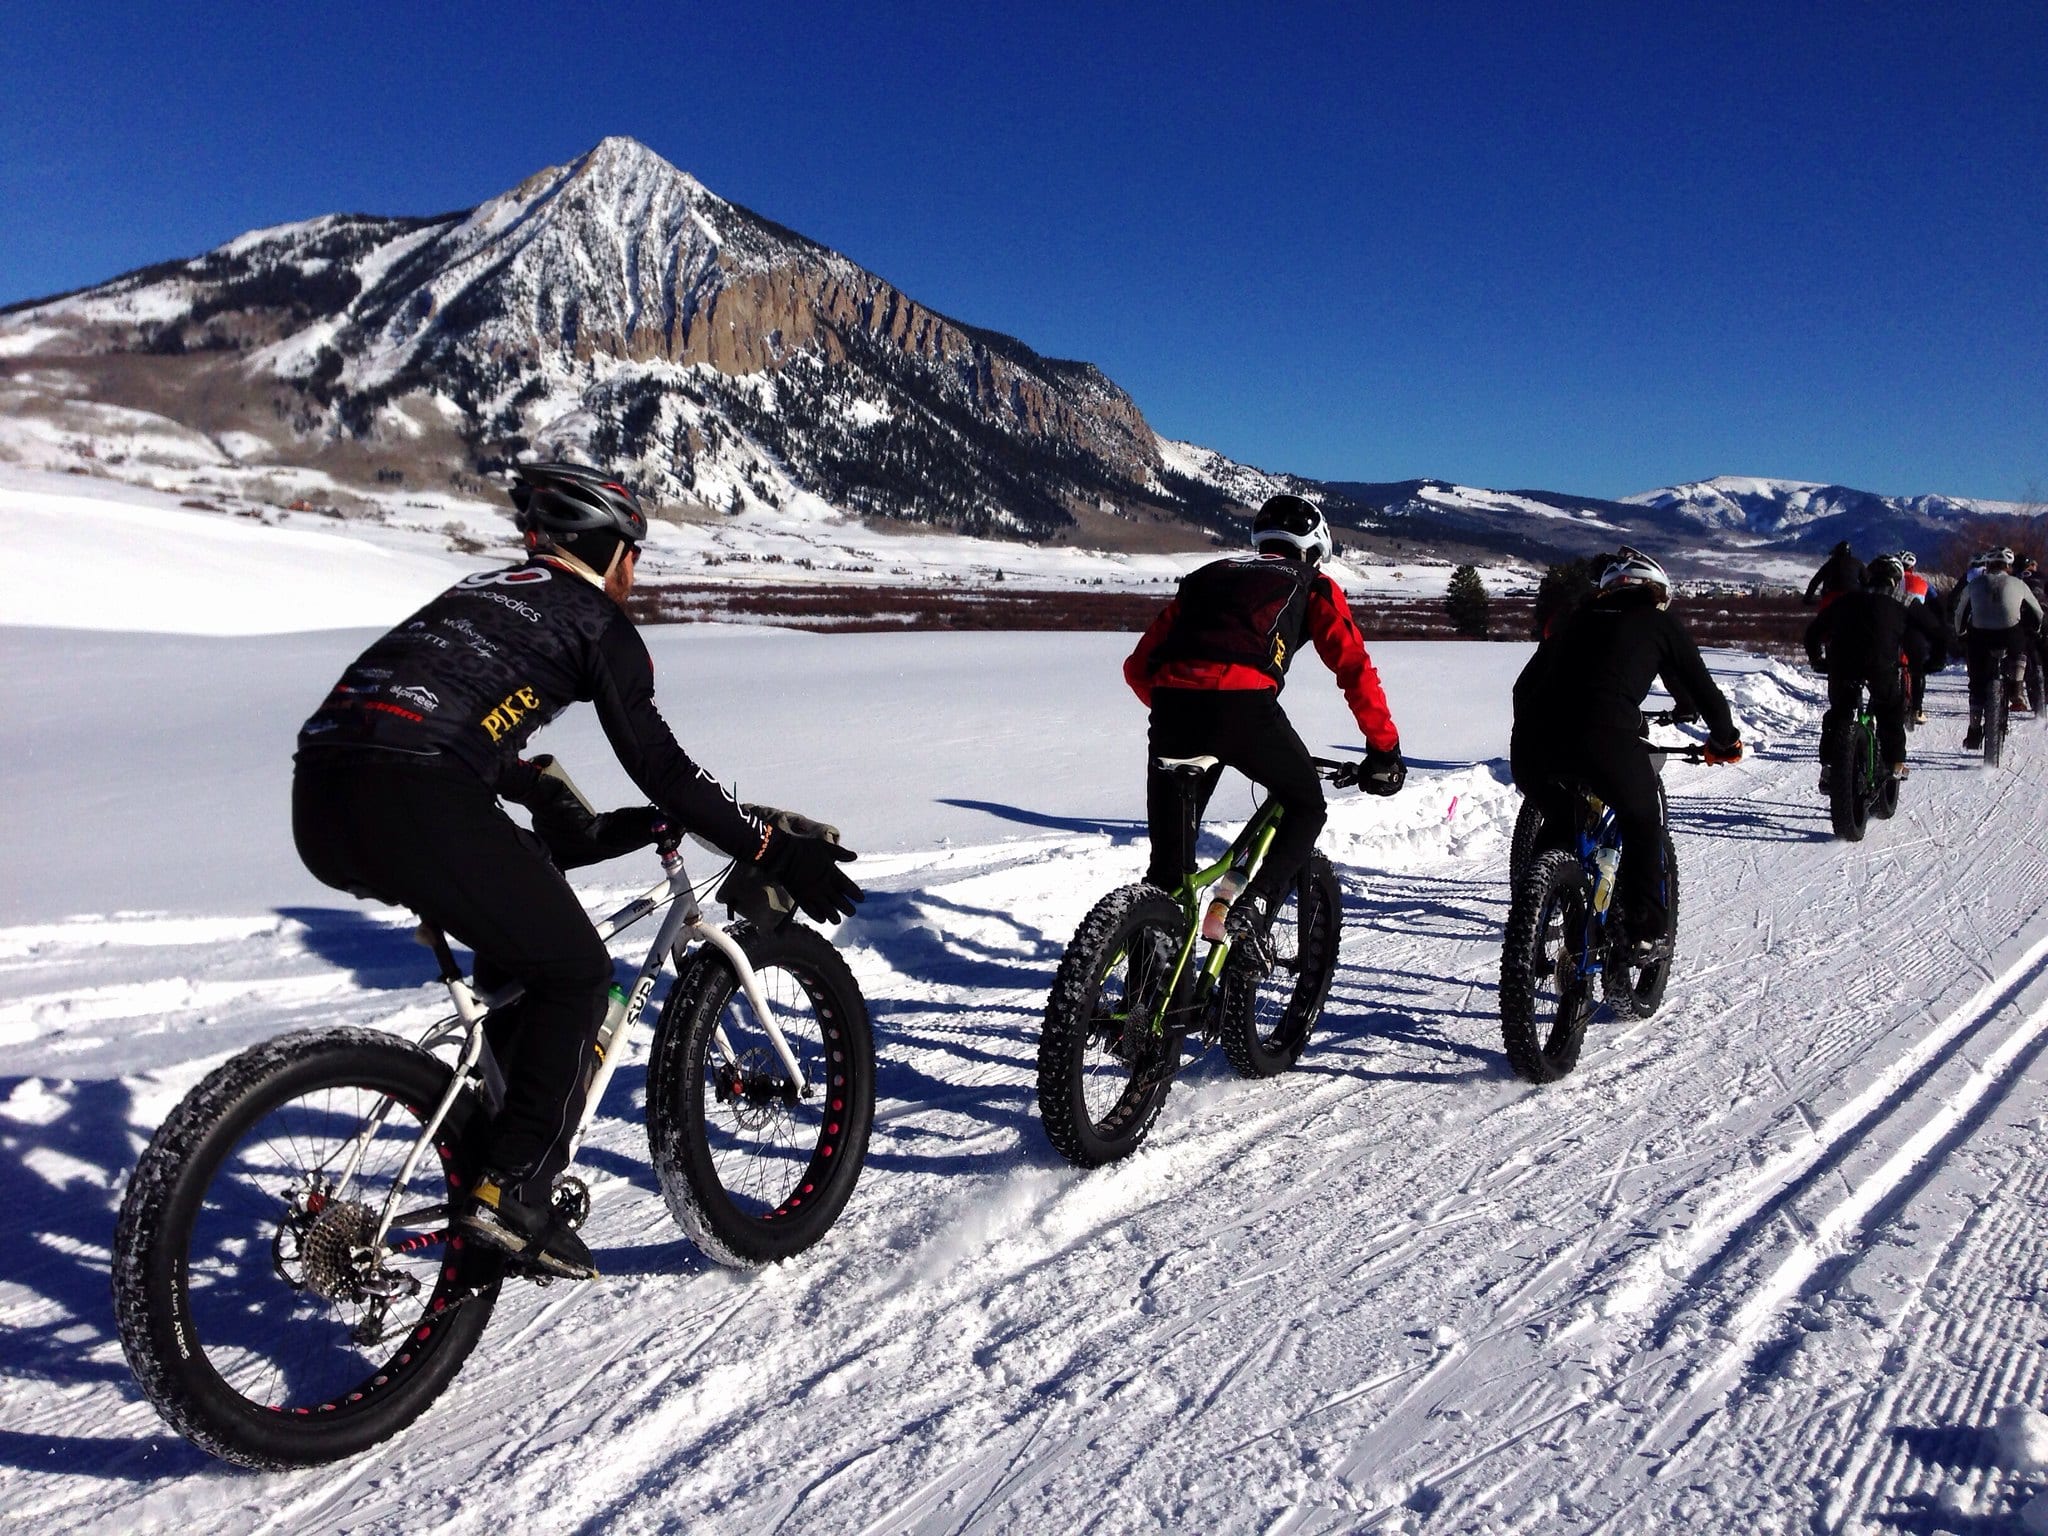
(1859, 641)
(1578, 717)
(395, 796)
(1841, 572)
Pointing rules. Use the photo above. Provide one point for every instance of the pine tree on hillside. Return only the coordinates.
(1465, 601)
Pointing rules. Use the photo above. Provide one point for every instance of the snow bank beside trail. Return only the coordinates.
(132, 562)
(1776, 699)
(1435, 817)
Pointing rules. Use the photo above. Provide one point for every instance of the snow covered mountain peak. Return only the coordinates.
(615, 307)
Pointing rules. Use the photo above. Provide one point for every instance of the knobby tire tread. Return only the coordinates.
(1319, 913)
(153, 1232)
(678, 1061)
(1106, 934)
(1556, 876)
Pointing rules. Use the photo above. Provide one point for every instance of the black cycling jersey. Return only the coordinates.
(1593, 671)
(470, 677)
(1861, 634)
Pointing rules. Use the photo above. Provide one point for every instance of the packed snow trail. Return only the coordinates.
(1768, 1260)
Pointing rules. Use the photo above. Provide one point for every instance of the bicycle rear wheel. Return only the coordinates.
(1266, 1020)
(1996, 718)
(1102, 1075)
(1545, 1002)
(1522, 847)
(1849, 796)
(752, 1168)
(246, 1312)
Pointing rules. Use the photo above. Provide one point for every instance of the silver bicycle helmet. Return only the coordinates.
(1632, 568)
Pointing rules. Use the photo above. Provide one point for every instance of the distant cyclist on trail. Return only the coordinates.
(1922, 655)
(1578, 718)
(395, 796)
(1211, 667)
(1995, 613)
(2028, 570)
(1841, 572)
(1858, 642)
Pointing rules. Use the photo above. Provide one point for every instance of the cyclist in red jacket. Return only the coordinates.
(1211, 667)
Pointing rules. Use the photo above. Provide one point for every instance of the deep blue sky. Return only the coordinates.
(1601, 251)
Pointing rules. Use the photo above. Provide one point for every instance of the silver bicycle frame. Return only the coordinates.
(473, 1062)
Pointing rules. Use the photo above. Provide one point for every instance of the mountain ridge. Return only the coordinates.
(616, 308)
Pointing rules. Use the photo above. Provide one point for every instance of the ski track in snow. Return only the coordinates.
(1767, 1261)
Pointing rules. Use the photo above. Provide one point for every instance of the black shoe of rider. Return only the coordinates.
(1249, 927)
(1973, 739)
(1827, 778)
(535, 1235)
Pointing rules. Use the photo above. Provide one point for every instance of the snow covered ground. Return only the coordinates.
(1769, 1261)
(803, 543)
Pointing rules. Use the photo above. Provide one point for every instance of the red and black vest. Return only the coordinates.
(1251, 610)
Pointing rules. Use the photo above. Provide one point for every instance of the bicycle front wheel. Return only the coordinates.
(1102, 1075)
(1267, 1019)
(1545, 1000)
(251, 1314)
(754, 1167)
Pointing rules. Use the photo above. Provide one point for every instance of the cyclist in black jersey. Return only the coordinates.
(1578, 717)
(395, 796)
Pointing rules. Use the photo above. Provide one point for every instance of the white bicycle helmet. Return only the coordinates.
(1296, 522)
(1632, 568)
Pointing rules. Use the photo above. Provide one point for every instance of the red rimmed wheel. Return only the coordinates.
(754, 1167)
(250, 1312)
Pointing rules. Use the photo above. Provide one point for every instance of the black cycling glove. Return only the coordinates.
(808, 868)
(1382, 773)
(575, 834)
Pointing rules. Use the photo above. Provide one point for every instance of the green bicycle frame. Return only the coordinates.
(1250, 847)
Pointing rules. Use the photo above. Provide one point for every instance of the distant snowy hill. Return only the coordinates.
(1810, 515)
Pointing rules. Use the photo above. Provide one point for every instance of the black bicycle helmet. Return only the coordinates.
(586, 511)
(1884, 574)
(1297, 523)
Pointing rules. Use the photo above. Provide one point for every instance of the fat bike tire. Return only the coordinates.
(1636, 992)
(1544, 1002)
(1884, 800)
(753, 1169)
(1528, 833)
(1267, 1018)
(1997, 716)
(1102, 1076)
(1849, 798)
(231, 1277)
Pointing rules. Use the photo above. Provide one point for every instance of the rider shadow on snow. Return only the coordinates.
(1746, 822)
(1122, 830)
(59, 1223)
(377, 955)
(1371, 1007)
(1956, 1450)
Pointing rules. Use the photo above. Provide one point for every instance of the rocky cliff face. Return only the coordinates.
(617, 307)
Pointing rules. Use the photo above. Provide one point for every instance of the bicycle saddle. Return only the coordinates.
(1188, 765)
